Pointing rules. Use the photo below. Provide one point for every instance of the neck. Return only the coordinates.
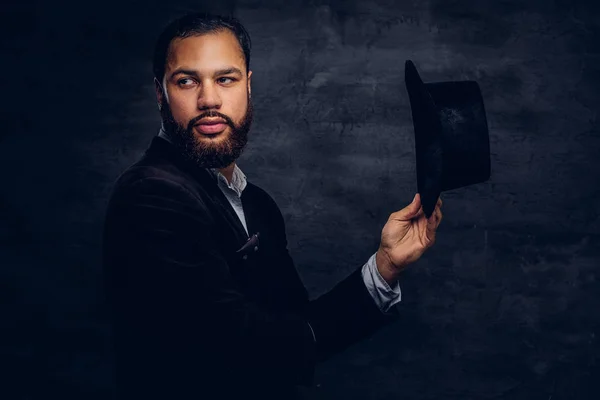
(228, 171)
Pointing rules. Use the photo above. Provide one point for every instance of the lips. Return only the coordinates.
(208, 126)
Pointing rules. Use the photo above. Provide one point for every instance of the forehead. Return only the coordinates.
(206, 52)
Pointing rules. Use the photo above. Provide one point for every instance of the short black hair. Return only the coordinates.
(195, 24)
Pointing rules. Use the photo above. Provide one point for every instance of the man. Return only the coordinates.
(206, 299)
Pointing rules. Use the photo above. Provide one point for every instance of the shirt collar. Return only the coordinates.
(163, 134)
(238, 178)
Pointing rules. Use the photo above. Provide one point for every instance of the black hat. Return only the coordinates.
(451, 135)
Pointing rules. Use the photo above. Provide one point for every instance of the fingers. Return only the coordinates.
(431, 221)
(415, 209)
(410, 211)
(434, 221)
(438, 211)
(427, 227)
(430, 229)
(419, 213)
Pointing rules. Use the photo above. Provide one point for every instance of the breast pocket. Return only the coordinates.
(242, 257)
(249, 250)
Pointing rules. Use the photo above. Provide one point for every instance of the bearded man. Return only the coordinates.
(206, 301)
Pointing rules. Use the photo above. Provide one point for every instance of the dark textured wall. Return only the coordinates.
(504, 306)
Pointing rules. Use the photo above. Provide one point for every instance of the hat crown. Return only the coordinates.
(464, 133)
(451, 135)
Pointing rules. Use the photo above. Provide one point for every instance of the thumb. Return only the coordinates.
(411, 210)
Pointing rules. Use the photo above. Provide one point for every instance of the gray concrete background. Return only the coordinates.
(504, 306)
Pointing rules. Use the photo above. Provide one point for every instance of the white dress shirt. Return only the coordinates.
(383, 295)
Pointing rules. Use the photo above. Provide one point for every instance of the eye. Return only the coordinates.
(185, 82)
(231, 80)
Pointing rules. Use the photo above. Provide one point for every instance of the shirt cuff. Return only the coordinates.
(383, 295)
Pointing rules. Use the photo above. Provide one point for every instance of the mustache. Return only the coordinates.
(212, 114)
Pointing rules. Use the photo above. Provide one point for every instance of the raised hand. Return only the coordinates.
(405, 237)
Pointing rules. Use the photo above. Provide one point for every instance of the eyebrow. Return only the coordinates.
(191, 72)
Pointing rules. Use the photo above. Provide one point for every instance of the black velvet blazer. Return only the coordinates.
(194, 317)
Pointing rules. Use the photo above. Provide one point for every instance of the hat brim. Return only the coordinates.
(428, 139)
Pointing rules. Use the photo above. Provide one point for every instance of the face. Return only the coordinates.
(205, 98)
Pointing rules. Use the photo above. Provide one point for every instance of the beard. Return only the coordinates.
(206, 152)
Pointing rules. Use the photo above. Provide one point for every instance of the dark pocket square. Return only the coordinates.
(250, 245)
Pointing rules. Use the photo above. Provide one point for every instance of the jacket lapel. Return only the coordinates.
(160, 146)
(224, 204)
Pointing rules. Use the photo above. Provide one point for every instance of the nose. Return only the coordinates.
(209, 97)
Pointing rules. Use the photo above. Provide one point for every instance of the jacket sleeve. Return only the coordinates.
(342, 316)
(160, 241)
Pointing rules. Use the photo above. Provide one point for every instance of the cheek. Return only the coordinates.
(183, 108)
(238, 106)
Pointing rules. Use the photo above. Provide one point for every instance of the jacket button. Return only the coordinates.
(255, 248)
(245, 257)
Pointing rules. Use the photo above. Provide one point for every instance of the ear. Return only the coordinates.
(159, 92)
(249, 84)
